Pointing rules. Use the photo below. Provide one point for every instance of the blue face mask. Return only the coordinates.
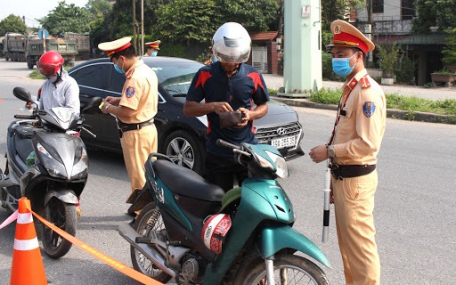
(341, 66)
(118, 69)
(214, 59)
(154, 53)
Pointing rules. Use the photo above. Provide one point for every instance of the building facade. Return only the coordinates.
(392, 22)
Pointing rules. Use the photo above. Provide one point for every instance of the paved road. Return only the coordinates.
(415, 204)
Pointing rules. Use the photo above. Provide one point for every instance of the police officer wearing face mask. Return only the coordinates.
(135, 109)
(152, 48)
(352, 151)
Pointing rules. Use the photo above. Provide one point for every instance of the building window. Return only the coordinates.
(377, 6)
(407, 9)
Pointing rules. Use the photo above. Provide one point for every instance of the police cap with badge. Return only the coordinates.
(347, 35)
(116, 46)
(153, 45)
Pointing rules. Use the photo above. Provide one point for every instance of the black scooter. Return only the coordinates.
(48, 164)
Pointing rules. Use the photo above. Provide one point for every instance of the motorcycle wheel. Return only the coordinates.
(288, 269)
(147, 222)
(63, 216)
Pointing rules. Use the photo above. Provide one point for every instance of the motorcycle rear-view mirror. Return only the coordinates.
(93, 105)
(22, 94)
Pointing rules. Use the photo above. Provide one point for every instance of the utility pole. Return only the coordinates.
(135, 28)
(370, 28)
(302, 53)
(142, 28)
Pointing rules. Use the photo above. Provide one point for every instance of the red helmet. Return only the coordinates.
(50, 63)
(214, 231)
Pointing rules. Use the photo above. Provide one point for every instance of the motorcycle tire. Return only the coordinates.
(288, 269)
(63, 216)
(149, 220)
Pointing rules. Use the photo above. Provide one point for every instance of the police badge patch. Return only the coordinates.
(368, 109)
(130, 92)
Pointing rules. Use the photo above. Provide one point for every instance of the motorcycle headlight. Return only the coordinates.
(280, 164)
(52, 164)
(81, 164)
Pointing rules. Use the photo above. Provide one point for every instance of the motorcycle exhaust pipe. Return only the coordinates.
(130, 235)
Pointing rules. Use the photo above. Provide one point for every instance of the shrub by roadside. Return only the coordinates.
(413, 108)
(394, 101)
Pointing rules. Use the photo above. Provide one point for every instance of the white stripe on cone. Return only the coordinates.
(26, 244)
(24, 219)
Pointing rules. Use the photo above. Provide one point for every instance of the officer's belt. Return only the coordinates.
(130, 127)
(349, 171)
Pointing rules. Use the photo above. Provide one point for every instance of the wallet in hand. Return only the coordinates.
(230, 119)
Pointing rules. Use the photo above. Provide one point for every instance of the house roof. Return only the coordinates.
(264, 36)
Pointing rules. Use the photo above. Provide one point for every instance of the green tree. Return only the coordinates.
(441, 14)
(13, 24)
(337, 9)
(188, 21)
(99, 10)
(255, 16)
(67, 18)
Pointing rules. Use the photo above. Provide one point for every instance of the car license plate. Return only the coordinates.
(284, 142)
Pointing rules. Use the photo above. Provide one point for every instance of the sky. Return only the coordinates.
(33, 9)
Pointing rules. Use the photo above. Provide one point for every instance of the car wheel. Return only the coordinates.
(184, 150)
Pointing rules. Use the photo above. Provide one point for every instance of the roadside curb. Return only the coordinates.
(391, 113)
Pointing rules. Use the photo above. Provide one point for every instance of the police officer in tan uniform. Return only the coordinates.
(352, 150)
(152, 48)
(135, 109)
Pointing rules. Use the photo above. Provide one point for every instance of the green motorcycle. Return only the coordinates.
(190, 230)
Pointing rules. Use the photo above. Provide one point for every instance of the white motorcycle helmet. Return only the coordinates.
(214, 231)
(231, 43)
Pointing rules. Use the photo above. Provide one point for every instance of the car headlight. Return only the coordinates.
(280, 164)
(51, 163)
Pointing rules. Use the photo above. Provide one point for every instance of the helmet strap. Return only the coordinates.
(59, 77)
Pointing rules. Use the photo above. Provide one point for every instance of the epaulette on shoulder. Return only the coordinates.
(365, 83)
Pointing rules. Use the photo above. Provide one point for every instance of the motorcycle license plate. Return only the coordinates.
(284, 142)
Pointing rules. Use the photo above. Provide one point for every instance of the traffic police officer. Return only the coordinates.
(152, 48)
(135, 109)
(352, 150)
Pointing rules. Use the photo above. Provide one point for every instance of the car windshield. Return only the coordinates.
(176, 79)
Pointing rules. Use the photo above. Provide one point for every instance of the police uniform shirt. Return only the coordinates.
(360, 129)
(63, 94)
(140, 93)
(241, 90)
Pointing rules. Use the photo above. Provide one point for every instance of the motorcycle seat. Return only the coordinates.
(24, 131)
(186, 182)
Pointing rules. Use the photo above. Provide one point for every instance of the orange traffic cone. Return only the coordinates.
(28, 268)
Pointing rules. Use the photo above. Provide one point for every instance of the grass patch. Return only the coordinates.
(326, 96)
(442, 107)
(393, 101)
(36, 75)
(272, 92)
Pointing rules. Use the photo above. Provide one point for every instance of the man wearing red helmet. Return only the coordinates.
(60, 89)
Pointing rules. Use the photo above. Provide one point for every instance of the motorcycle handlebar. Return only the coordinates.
(24, 117)
(226, 144)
